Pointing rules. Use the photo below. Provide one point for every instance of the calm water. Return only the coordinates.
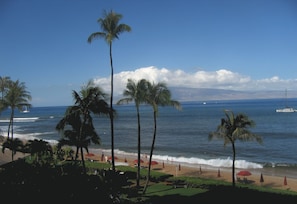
(182, 136)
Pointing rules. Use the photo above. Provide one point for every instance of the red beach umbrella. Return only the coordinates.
(153, 162)
(90, 155)
(110, 157)
(136, 161)
(244, 173)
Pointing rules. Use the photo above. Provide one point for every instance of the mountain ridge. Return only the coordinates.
(204, 94)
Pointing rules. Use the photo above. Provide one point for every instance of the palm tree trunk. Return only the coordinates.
(233, 165)
(139, 149)
(9, 125)
(81, 148)
(76, 153)
(151, 153)
(111, 108)
(11, 122)
(83, 160)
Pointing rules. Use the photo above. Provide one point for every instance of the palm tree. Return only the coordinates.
(77, 124)
(4, 84)
(38, 148)
(15, 145)
(158, 95)
(135, 92)
(16, 97)
(111, 29)
(234, 128)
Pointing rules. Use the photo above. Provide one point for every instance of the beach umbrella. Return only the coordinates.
(110, 157)
(153, 162)
(136, 161)
(90, 155)
(244, 173)
(261, 178)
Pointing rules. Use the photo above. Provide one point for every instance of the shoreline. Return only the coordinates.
(273, 178)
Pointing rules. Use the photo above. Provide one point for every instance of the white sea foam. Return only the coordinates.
(192, 161)
(219, 162)
(30, 119)
(31, 136)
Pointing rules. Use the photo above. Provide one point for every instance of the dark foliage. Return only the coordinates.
(23, 182)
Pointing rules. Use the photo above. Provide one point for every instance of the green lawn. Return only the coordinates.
(64, 182)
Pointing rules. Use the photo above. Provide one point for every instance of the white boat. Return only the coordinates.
(286, 109)
(25, 110)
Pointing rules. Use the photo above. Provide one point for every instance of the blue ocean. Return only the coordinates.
(182, 136)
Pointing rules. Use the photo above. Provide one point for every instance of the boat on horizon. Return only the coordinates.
(25, 110)
(286, 109)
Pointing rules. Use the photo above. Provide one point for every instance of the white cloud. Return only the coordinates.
(220, 79)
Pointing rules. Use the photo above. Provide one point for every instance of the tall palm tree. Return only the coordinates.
(77, 124)
(111, 29)
(234, 128)
(4, 84)
(17, 96)
(158, 95)
(135, 92)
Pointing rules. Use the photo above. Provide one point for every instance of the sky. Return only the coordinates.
(246, 45)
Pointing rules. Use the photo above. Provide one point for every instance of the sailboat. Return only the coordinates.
(25, 110)
(286, 109)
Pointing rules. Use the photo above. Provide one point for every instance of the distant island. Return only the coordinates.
(206, 94)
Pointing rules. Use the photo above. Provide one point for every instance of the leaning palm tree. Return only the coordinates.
(16, 97)
(234, 128)
(77, 124)
(111, 29)
(157, 95)
(135, 92)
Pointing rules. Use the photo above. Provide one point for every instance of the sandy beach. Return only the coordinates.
(278, 182)
(6, 156)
